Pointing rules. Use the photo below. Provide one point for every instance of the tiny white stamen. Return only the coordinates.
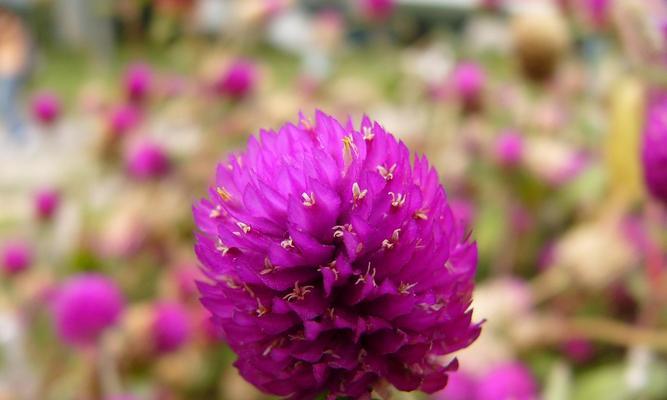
(339, 230)
(223, 193)
(308, 199)
(216, 212)
(404, 288)
(390, 243)
(221, 247)
(261, 310)
(368, 134)
(299, 292)
(287, 243)
(244, 227)
(369, 272)
(420, 214)
(397, 200)
(387, 174)
(268, 267)
(357, 193)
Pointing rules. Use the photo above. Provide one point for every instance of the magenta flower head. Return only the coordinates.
(85, 306)
(171, 327)
(238, 80)
(46, 108)
(654, 146)
(138, 82)
(123, 119)
(469, 81)
(46, 202)
(509, 381)
(509, 149)
(597, 11)
(16, 257)
(335, 263)
(377, 10)
(122, 397)
(460, 386)
(147, 160)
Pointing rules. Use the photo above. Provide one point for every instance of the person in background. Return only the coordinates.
(14, 49)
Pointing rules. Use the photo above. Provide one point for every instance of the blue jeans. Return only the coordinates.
(10, 116)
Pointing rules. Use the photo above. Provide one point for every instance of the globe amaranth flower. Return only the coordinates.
(237, 80)
(138, 81)
(16, 257)
(654, 146)
(85, 306)
(46, 202)
(123, 119)
(170, 328)
(469, 81)
(508, 149)
(147, 160)
(508, 381)
(377, 10)
(335, 263)
(46, 108)
(461, 386)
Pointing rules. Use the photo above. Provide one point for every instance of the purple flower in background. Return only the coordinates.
(171, 327)
(469, 80)
(16, 257)
(46, 108)
(578, 350)
(124, 119)
(654, 146)
(460, 386)
(46, 202)
(377, 10)
(597, 11)
(85, 306)
(138, 81)
(335, 262)
(238, 80)
(509, 149)
(147, 160)
(510, 381)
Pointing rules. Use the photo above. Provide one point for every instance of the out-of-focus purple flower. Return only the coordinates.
(510, 381)
(597, 11)
(335, 262)
(147, 160)
(238, 80)
(654, 146)
(85, 306)
(377, 10)
(492, 5)
(138, 81)
(46, 202)
(469, 81)
(460, 386)
(509, 149)
(122, 397)
(16, 257)
(46, 108)
(124, 119)
(171, 327)
(578, 350)
(546, 256)
(577, 163)
(185, 276)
